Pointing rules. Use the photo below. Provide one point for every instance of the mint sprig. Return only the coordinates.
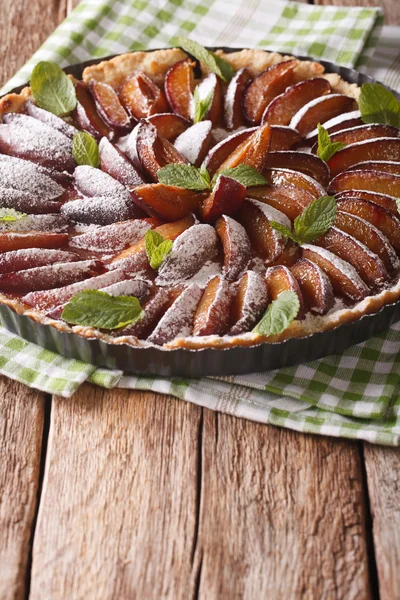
(52, 89)
(215, 63)
(326, 148)
(93, 308)
(185, 176)
(157, 248)
(201, 105)
(85, 149)
(379, 105)
(244, 174)
(314, 221)
(279, 314)
(8, 215)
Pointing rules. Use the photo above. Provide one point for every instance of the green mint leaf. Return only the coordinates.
(93, 308)
(244, 174)
(378, 105)
(184, 176)
(157, 248)
(8, 215)
(201, 105)
(326, 148)
(285, 231)
(52, 89)
(85, 149)
(215, 63)
(316, 219)
(280, 313)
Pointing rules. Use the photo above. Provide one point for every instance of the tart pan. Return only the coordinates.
(209, 361)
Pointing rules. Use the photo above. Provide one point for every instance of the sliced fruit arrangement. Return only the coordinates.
(194, 196)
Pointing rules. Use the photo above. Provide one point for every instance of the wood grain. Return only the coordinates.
(383, 473)
(118, 511)
(390, 7)
(150, 502)
(21, 427)
(282, 515)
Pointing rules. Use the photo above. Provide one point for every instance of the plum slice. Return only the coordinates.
(220, 152)
(236, 246)
(384, 148)
(361, 133)
(213, 311)
(253, 151)
(345, 246)
(179, 85)
(48, 299)
(86, 115)
(284, 138)
(27, 138)
(264, 88)
(255, 218)
(114, 163)
(177, 321)
(375, 214)
(321, 110)
(300, 180)
(47, 117)
(169, 125)
(343, 276)
(384, 166)
(27, 203)
(194, 142)
(249, 304)
(373, 181)
(109, 107)
(288, 199)
(282, 109)
(142, 97)
(300, 161)
(15, 240)
(99, 210)
(280, 279)
(114, 237)
(384, 200)
(167, 202)
(190, 251)
(226, 198)
(153, 311)
(47, 276)
(27, 258)
(233, 110)
(370, 236)
(155, 152)
(315, 286)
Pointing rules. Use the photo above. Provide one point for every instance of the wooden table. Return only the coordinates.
(121, 494)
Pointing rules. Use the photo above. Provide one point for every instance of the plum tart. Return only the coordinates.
(196, 199)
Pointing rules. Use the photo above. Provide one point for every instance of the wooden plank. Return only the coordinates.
(21, 428)
(142, 499)
(118, 509)
(282, 515)
(390, 7)
(383, 476)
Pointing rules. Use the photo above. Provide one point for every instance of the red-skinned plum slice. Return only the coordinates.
(115, 163)
(109, 107)
(155, 152)
(142, 97)
(385, 148)
(47, 117)
(233, 110)
(320, 110)
(27, 258)
(280, 279)
(179, 86)
(315, 286)
(114, 237)
(236, 246)
(373, 181)
(226, 198)
(249, 304)
(255, 217)
(86, 115)
(300, 161)
(194, 142)
(213, 311)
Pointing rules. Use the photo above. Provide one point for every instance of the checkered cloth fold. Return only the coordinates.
(355, 395)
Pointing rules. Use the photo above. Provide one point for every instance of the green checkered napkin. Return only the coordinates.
(354, 395)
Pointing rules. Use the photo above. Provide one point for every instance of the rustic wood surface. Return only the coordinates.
(147, 497)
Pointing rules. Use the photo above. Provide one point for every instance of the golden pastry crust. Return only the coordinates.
(14, 102)
(114, 71)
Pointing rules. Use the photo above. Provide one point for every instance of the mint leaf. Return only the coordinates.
(315, 219)
(313, 222)
(244, 174)
(85, 149)
(379, 105)
(280, 313)
(157, 248)
(185, 176)
(52, 88)
(215, 63)
(284, 230)
(93, 308)
(326, 148)
(201, 105)
(7, 215)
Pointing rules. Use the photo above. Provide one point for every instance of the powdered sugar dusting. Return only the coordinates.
(112, 238)
(178, 320)
(254, 303)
